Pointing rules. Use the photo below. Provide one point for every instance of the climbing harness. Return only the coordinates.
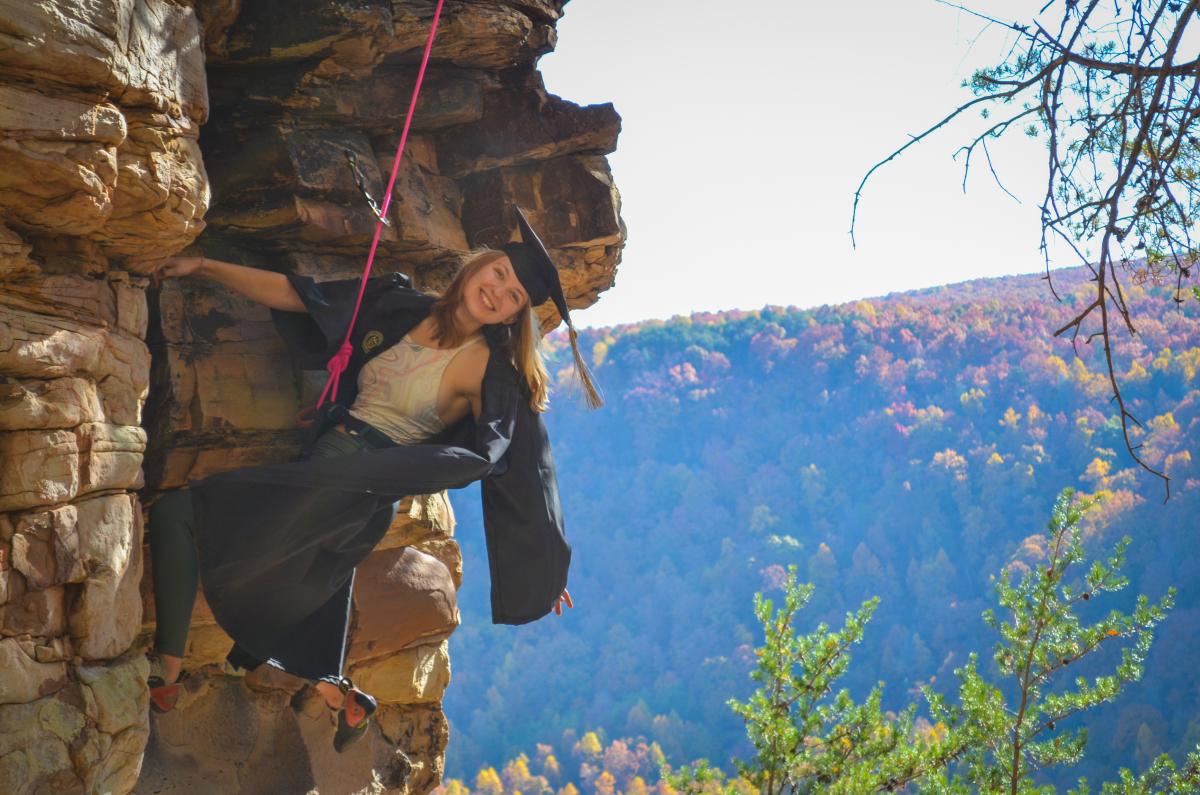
(337, 365)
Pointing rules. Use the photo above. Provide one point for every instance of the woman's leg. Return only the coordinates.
(317, 650)
(355, 711)
(334, 658)
(240, 658)
(176, 576)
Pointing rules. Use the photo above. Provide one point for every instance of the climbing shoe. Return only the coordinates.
(354, 716)
(163, 696)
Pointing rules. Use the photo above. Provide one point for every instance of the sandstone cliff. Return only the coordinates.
(134, 129)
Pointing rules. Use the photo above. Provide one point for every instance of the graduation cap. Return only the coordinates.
(537, 274)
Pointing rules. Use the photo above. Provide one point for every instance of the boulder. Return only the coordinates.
(571, 201)
(115, 157)
(402, 598)
(37, 742)
(145, 53)
(418, 518)
(227, 737)
(106, 614)
(57, 403)
(523, 124)
(58, 160)
(36, 344)
(25, 679)
(482, 35)
(418, 675)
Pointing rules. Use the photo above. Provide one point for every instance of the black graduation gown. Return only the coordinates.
(272, 554)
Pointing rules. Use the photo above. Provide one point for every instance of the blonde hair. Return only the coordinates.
(523, 341)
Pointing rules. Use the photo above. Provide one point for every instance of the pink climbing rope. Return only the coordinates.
(337, 365)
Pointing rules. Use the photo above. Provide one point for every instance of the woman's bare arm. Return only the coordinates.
(264, 287)
(469, 375)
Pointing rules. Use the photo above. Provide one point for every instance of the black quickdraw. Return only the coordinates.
(361, 182)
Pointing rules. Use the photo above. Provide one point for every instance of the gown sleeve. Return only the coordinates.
(528, 553)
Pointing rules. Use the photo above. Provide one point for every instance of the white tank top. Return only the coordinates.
(398, 389)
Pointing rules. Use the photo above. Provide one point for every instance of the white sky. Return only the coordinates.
(747, 126)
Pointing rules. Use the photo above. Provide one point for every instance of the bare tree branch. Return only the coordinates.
(1120, 110)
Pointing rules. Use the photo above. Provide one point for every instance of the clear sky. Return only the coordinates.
(747, 126)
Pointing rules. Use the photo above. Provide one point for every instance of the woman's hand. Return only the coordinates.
(175, 268)
(566, 597)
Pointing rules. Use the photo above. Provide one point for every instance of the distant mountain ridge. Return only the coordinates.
(1033, 281)
(908, 446)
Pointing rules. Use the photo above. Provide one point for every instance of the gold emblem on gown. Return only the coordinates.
(372, 341)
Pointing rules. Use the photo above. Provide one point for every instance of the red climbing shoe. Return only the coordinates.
(162, 695)
(354, 716)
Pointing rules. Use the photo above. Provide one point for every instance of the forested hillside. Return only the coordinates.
(908, 447)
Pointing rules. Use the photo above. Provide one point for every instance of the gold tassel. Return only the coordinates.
(591, 393)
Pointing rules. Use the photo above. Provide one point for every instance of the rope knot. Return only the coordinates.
(336, 366)
(340, 360)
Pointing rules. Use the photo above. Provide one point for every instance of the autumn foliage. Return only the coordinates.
(907, 447)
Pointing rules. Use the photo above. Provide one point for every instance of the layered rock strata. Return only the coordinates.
(100, 174)
(108, 399)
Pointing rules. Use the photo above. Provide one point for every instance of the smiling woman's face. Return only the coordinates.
(493, 294)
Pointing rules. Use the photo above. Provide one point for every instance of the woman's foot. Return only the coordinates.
(167, 666)
(331, 693)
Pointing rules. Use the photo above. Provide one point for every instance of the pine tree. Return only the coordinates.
(997, 737)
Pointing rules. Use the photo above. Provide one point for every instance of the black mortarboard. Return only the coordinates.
(538, 275)
(535, 269)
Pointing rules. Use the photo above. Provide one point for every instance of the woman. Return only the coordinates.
(438, 393)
